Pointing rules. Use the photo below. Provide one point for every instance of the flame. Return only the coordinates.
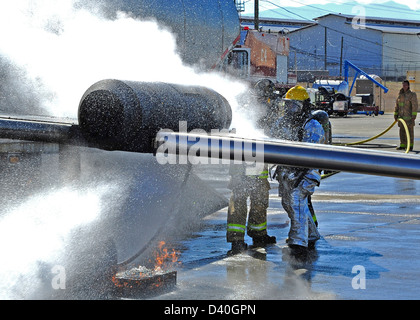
(164, 258)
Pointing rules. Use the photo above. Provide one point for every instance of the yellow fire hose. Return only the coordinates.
(382, 133)
(373, 138)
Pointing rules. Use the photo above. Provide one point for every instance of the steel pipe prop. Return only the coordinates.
(32, 130)
(288, 153)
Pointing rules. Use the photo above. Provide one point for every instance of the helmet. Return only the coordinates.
(264, 88)
(297, 93)
(321, 116)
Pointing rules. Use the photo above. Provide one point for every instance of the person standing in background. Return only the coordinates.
(406, 109)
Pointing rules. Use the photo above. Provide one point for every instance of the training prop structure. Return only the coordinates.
(142, 282)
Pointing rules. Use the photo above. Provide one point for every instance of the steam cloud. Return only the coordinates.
(53, 51)
(50, 53)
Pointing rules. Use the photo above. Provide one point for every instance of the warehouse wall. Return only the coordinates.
(401, 53)
(363, 47)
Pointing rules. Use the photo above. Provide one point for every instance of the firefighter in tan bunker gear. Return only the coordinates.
(251, 181)
(406, 109)
(247, 182)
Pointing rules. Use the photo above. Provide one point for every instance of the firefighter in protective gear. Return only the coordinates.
(406, 109)
(264, 89)
(267, 96)
(322, 117)
(251, 181)
(298, 124)
(248, 181)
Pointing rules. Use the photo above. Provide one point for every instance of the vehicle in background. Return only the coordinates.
(331, 96)
(261, 55)
(368, 98)
(334, 96)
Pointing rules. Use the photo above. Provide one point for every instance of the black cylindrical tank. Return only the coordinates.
(126, 115)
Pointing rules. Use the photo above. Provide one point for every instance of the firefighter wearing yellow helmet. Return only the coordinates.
(298, 93)
(297, 184)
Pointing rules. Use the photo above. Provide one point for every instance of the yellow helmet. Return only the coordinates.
(297, 93)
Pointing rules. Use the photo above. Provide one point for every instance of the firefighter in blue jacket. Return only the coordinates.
(297, 123)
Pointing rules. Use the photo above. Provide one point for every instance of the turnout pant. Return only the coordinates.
(257, 190)
(295, 195)
(403, 135)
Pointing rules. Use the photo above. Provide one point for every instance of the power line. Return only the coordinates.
(390, 60)
(295, 14)
(344, 33)
(366, 50)
(274, 11)
(372, 6)
(376, 6)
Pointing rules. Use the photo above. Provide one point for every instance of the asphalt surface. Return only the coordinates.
(370, 227)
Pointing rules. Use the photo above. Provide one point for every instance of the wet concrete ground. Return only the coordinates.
(370, 229)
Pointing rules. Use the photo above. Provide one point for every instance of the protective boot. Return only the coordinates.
(261, 241)
(237, 247)
(299, 253)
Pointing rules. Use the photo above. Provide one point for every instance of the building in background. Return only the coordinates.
(385, 47)
(276, 25)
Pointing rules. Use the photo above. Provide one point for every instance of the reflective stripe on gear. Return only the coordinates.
(258, 227)
(232, 227)
(263, 175)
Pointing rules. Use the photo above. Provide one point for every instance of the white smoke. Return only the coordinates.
(67, 49)
(61, 51)
(35, 233)
(70, 49)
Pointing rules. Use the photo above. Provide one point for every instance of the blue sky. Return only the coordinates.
(309, 9)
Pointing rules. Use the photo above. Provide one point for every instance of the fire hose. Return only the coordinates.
(382, 133)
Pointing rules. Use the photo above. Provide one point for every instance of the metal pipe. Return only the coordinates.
(229, 148)
(38, 130)
(125, 116)
(290, 153)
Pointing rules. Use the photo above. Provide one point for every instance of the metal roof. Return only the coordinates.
(385, 25)
(273, 28)
(379, 20)
(390, 29)
(276, 25)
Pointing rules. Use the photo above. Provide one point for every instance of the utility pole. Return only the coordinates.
(341, 57)
(325, 48)
(256, 14)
